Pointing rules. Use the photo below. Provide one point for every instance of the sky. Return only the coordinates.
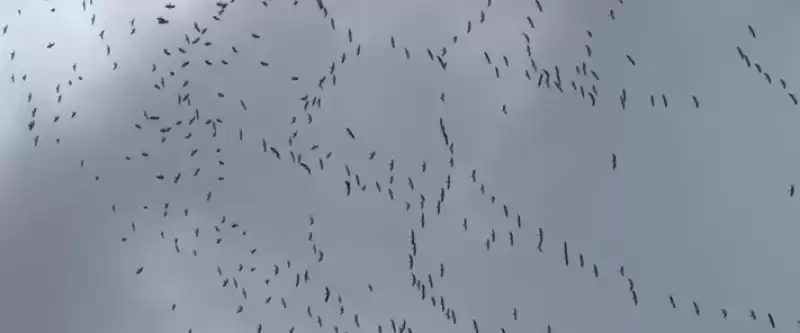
(697, 206)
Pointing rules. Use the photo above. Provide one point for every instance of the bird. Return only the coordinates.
(541, 238)
(613, 161)
(633, 63)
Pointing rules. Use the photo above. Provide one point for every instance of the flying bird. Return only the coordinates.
(613, 161)
(633, 63)
(541, 238)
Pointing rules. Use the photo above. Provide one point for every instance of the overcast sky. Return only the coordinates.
(698, 207)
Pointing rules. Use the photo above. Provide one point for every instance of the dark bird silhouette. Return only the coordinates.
(613, 161)
(541, 239)
(630, 60)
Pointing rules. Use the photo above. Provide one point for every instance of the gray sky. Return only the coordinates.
(698, 206)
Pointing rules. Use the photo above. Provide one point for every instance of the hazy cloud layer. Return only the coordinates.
(698, 206)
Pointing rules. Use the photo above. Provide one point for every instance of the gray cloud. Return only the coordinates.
(698, 207)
